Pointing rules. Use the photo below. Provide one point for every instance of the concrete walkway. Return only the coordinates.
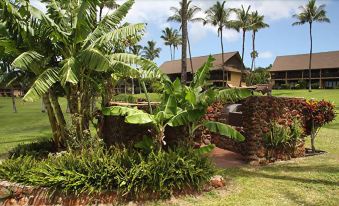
(226, 159)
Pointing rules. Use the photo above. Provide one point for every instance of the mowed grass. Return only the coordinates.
(27, 125)
(302, 181)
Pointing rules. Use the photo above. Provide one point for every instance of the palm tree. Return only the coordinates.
(257, 23)
(242, 23)
(311, 13)
(167, 36)
(191, 13)
(184, 35)
(151, 51)
(176, 41)
(111, 4)
(218, 16)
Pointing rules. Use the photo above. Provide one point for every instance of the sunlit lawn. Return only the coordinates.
(303, 181)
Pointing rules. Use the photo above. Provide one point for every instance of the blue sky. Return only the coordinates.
(279, 39)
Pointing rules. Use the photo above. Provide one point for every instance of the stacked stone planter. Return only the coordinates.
(257, 114)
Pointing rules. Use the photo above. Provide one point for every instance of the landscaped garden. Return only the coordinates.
(74, 138)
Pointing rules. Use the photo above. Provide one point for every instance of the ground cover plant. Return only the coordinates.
(126, 171)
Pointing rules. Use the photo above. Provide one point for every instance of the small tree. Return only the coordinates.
(317, 114)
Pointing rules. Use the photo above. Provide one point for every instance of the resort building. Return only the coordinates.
(292, 69)
(233, 68)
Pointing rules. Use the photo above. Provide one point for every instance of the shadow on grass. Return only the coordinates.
(21, 140)
(297, 199)
(271, 173)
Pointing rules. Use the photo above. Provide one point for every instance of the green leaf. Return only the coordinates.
(185, 117)
(118, 35)
(120, 111)
(233, 95)
(202, 74)
(224, 129)
(171, 106)
(139, 118)
(110, 21)
(68, 73)
(30, 61)
(94, 59)
(42, 84)
(205, 149)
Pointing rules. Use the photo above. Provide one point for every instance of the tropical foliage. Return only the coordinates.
(181, 106)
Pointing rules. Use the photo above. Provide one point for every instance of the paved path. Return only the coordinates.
(226, 159)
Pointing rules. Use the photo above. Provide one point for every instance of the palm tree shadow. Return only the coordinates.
(297, 199)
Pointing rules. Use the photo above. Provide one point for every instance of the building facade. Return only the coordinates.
(293, 69)
(233, 68)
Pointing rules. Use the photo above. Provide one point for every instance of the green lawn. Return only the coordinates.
(303, 181)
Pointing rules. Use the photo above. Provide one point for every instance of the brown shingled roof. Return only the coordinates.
(172, 67)
(323, 60)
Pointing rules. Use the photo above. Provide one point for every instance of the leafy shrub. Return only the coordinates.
(281, 135)
(258, 76)
(125, 98)
(38, 149)
(285, 86)
(315, 85)
(302, 84)
(158, 174)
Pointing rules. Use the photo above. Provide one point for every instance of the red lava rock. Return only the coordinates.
(217, 181)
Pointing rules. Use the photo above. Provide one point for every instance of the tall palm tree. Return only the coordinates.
(257, 23)
(192, 10)
(184, 35)
(218, 16)
(176, 41)
(242, 23)
(167, 36)
(311, 13)
(151, 51)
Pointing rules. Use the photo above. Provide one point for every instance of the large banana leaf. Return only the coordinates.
(94, 59)
(110, 22)
(30, 61)
(134, 59)
(233, 95)
(140, 118)
(67, 72)
(42, 84)
(120, 111)
(118, 35)
(224, 130)
(202, 74)
(185, 117)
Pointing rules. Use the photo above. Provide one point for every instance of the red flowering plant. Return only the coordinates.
(317, 114)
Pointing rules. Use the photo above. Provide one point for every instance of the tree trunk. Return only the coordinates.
(52, 119)
(13, 101)
(147, 97)
(310, 62)
(132, 85)
(170, 46)
(59, 117)
(242, 54)
(43, 108)
(253, 51)
(184, 42)
(100, 13)
(313, 132)
(190, 54)
(223, 60)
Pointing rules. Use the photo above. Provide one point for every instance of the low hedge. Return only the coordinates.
(126, 171)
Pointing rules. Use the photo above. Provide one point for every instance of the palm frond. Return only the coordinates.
(94, 59)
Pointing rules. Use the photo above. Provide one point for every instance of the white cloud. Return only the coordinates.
(39, 5)
(265, 55)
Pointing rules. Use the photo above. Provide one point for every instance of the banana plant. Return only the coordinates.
(181, 106)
